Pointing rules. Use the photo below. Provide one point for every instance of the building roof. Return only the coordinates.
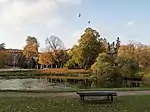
(13, 50)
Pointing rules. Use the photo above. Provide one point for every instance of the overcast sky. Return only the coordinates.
(128, 19)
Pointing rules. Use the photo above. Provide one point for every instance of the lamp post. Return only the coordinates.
(14, 59)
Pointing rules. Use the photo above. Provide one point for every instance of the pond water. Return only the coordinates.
(31, 84)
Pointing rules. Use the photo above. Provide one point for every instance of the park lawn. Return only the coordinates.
(139, 103)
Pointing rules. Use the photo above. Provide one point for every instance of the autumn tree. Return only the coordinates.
(127, 51)
(136, 51)
(59, 55)
(142, 55)
(104, 45)
(31, 50)
(46, 58)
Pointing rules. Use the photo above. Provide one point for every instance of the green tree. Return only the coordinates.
(88, 49)
(105, 73)
(118, 44)
(73, 57)
(31, 50)
(70, 64)
(127, 67)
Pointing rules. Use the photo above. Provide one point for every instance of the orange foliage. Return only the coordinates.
(63, 70)
(46, 58)
(65, 77)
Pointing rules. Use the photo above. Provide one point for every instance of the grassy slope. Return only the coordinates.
(63, 104)
(75, 90)
(33, 73)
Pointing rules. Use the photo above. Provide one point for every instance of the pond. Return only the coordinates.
(31, 84)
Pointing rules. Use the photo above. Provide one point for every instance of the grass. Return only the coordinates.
(75, 90)
(47, 71)
(64, 104)
(33, 73)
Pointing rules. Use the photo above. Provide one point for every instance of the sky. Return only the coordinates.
(127, 19)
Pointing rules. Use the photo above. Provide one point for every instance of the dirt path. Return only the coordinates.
(125, 93)
(71, 94)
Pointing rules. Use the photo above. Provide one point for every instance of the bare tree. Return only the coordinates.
(54, 43)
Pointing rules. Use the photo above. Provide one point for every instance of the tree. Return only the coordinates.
(31, 50)
(46, 58)
(102, 58)
(89, 46)
(60, 57)
(142, 53)
(54, 43)
(88, 49)
(113, 48)
(70, 63)
(56, 46)
(105, 73)
(127, 51)
(73, 58)
(118, 43)
(2, 46)
(136, 51)
(22, 61)
(5, 58)
(105, 47)
(127, 67)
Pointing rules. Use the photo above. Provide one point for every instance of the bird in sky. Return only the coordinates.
(79, 15)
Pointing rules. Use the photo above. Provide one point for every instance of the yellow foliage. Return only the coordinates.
(46, 58)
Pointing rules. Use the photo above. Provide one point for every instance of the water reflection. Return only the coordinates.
(30, 84)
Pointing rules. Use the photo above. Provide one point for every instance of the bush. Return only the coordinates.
(70, 64)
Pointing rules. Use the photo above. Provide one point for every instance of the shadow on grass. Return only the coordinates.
(102, 101)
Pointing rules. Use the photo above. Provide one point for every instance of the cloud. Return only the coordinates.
(1, 1)
(130, 23)
(17, 12)
(20, 18)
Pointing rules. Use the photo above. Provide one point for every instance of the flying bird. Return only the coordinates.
(89, 22)
(79, 15)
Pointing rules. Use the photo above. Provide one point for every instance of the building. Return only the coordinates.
(14, 56)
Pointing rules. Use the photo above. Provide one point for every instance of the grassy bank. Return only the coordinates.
(33, 73)
(65, 104)
(75, 90)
